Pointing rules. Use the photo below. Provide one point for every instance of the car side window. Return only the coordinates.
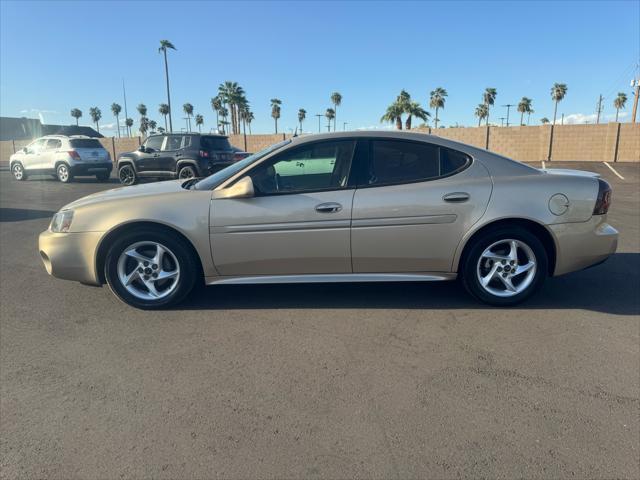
(36, 146)
(186, 141)
(396, 161)
(154, 143)
(53, 144)
(315, 167)
(173, 143)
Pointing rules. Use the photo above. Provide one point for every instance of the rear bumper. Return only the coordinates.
(70, 256)
(581, 245)
(90, 168)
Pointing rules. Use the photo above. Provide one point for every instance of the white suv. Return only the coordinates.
(64, 157)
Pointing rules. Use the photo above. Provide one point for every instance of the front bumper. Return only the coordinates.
(70, 256)
(581, 245)
(90, 168)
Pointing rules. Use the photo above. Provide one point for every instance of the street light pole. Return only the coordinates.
(344, 126)
(635, 83)
(508, 105)
(319, 115)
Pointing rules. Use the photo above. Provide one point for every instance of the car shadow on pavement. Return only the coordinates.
(20, 214)
(611, 287)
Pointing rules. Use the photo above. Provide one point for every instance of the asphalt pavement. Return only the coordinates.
(317, 381)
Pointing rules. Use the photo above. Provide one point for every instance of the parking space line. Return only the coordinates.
(614, 171)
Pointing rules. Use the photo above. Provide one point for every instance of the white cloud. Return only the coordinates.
(580, 118)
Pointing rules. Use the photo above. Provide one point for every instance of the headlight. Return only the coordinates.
(61, 221)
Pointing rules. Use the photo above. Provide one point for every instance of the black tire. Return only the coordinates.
(470, 266)
(63, 173)
(186, 172)
(185, 258)
(127, 175)
(103, 177)
(19, 172)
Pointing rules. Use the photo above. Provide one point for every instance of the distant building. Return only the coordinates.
(29, 128)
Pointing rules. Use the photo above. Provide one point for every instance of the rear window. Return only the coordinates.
(215, 143)
(85, 143)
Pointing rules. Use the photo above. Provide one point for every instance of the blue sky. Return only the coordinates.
(55, 56)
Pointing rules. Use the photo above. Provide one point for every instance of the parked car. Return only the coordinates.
(340, 207)
(63, 157)
(177, 155)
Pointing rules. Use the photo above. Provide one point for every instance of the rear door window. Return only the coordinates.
(215, 143)
(85, 143)
(173, 143)
(53, 144)
(154, 143)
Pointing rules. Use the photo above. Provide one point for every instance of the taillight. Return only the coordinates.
(204, 154)
(238, 156)
(73, 154)
(604, 198)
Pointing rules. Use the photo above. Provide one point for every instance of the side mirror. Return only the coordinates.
(142, 149)
(243, 188)
(25, 150)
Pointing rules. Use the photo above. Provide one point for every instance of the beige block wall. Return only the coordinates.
(529, 144)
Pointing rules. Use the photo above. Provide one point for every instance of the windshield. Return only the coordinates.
(212, 181)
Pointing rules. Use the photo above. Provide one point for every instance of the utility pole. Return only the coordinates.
(344, 126)
(599, 108)
(126, 115)
(319, 115)
(502, 121)
(635, 83)
(562, 119)
(508, 105)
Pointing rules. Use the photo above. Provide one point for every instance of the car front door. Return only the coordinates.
(48, 153)
(31, 160)
(298, 220)
(146, 161)
(415, 203)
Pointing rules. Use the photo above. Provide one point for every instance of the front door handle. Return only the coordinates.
(329, 207)
(456, 197)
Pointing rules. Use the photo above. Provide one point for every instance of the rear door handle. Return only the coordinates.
(456, 197)
(329, 207)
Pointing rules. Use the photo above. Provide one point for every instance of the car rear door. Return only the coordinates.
(172, 148)
(48, 153)
(297, 222)
(415, 203)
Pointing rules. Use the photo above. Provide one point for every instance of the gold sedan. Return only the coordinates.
(341, 207)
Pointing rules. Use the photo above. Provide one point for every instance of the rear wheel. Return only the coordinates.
(150, 269)
(18, 171)
(127, 175)
(186, 172)
(63, 173)
(504, 266)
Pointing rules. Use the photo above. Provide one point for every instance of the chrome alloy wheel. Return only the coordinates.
(18, 171)
(506, 268)
(148, 270)
(63, 173)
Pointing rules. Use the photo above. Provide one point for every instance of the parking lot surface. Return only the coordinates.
(320, 381)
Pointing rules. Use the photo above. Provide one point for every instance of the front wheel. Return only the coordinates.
(504, 266)
(150, 269)
(127, 175)
(18, 172)
(63, 173)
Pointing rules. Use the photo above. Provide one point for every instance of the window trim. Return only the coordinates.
(164, 139)
(348, 185)
(370, 141)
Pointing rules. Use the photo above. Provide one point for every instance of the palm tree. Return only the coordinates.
(142, 109)
(531, 110)
(199, 122)
(249, 118)
(116, 109)
(223, 113)
(216, 105)
(152, 125)
(482, 112)
(302, 115)
(76, 113)
(619, 102)
(544, 120)
(336, 99)
(144, 126)
(188, 109)
(437, 99)
(233, 96)
(489, 98)
(129, 123)
(558, 91)
(161, 130)
(275, 110)
(330, 114)
(414, 109)
(524, 106)
(394, 114)
(96, 115)
(164, 46)
(164, 110)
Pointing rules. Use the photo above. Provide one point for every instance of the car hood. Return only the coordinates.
(134, 191)
(568, 171)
